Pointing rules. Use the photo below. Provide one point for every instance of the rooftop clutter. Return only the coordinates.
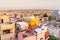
(37, 32)
(27, 25)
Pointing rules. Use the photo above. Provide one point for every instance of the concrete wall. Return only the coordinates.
(30, 38)
(33, 37)
(9, 36)
(5, 19)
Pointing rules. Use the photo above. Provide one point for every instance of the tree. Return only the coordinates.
(45, 15)
(52, 37)
(51, 18)
(59, 26)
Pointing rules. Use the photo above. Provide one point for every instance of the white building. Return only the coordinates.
(22, 25)
(54, 31)
(37, 34)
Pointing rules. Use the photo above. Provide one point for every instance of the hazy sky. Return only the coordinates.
(27, 4)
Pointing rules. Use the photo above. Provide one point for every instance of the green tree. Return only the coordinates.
(45, 15)
(59, 26)
(52, 37)
(51, 18)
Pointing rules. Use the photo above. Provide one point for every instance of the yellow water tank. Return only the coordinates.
(35, 21)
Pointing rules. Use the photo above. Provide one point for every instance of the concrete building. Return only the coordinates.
(36, 34)
(22, 25)
(54, 31)
(7, 29)
(56, 14)
(4, 19)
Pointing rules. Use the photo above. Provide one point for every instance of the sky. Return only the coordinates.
(29, 4)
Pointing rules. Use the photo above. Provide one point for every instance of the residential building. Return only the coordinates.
(7, 29)
(36, 34)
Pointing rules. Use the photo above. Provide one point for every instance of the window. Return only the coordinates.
(1, 20)
(6, 31)
(24, 36)
(41, 39)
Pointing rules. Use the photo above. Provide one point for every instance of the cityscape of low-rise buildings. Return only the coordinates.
(29, 24)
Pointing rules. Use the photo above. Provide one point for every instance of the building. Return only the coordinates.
(22, 25)
(36, 34)
(7, 29)
(56, 14)
(54, 31)
(4, 19)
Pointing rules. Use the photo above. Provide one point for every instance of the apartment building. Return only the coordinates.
(36, 34)
(7, 29)
(56, 14)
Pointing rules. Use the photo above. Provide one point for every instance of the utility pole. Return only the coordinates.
(0, 29)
